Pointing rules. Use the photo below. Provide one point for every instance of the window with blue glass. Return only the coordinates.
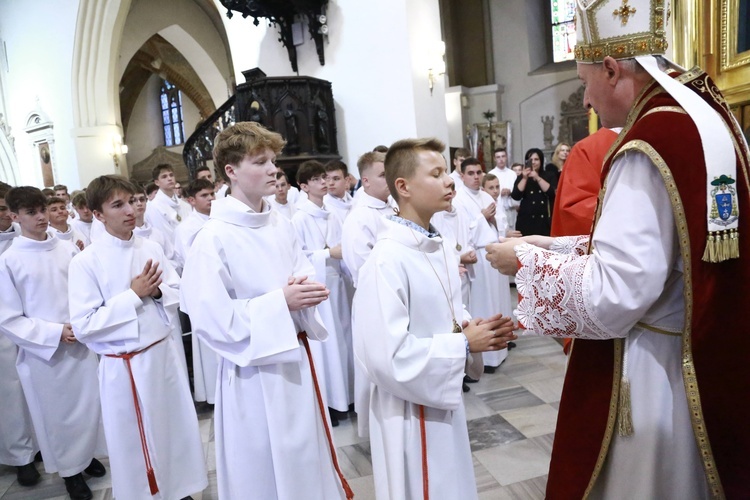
(171, 114)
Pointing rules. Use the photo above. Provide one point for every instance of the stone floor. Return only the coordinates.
(511, 417)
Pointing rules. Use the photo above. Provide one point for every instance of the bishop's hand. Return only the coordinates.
(502, 256)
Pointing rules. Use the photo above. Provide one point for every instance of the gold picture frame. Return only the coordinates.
(728, 34)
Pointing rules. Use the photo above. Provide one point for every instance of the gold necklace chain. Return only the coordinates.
(456, 326)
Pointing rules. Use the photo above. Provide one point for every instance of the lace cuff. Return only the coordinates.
(577, 245)
(553, 294)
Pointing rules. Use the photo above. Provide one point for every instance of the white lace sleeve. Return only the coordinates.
(577, 245)
(552, 294)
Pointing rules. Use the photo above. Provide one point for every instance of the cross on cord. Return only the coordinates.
(624, 12)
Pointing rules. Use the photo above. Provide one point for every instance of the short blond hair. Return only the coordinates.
(242, 139)
(402, 159)
(366, 160)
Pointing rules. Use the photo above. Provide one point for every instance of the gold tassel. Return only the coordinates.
(708, 252)
(734, 244)
(721, 246)
(624, 410)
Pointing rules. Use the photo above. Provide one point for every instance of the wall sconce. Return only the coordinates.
(438, 64)
(118, 149)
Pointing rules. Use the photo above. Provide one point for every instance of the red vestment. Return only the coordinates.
(715, 341)
(578, 188)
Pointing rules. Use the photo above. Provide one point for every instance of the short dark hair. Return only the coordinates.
(104, 187)
(308, 170)
(48, 192)
(21, 197)
(197, 186)
(499, 150)
(380, 149)
(79, 199)
(60, 187)
(203, 168)
(4, 188)
(334, 165)
(468, 162)
(488, 178)
(156, 172)
(281, 174)
(55, 199)
(242, 139)
(151, 187)
(402, 159)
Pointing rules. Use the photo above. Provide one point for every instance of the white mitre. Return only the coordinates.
(624, 29)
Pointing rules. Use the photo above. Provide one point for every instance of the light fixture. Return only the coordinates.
(118, 149)
(437, 57)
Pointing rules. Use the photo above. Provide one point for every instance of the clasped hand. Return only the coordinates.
(301, 293)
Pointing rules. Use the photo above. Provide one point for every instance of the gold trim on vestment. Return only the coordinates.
(656, 329)
(688, 367)
(611, 417)
(670, 109)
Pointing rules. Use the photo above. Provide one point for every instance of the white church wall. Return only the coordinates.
(39, 50)
(370, 63)
(526, 97)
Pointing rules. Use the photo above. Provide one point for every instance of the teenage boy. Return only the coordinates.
(247, 292)
(491, 186)
(409, 342)
(338, 200)
(17, 445)
(57, 373)
(200, 195)
(360, 228)
(203, 173)
(319, 233)
(490, 290)
(58, 216)
(147, 231)
(61, 191)
(280, 200)
(458, 157)
(123, 306)
(83, 222)
(166, 211)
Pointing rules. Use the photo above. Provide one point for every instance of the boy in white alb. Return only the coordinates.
(17, 445)
(361, 226)
(58, 222)
(458, 158)
(85, 219)
(246, 290)
(280, 200)
(145, 230)
(123, 306)
(200, 195)
(338, 200)
(490, 291)
(166, 210)
(409, 342)
(57, 373)
(319, 233)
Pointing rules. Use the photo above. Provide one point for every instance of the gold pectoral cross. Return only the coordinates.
(624, 12)
(456, 328)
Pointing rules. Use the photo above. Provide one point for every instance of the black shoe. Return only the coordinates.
(77, 488)
(469, 380)
(339, 415)
(489, 369)
(95, 468)
(351, 408)
(466, 388)
(334, 419)
(27, 475)
(38, 457)
(511, 345)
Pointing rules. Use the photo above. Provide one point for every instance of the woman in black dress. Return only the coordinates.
(537, 196)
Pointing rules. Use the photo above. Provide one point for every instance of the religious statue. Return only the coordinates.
(292, 134)
(548, 122)
(321, 131)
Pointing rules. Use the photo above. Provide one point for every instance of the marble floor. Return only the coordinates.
(511, 418)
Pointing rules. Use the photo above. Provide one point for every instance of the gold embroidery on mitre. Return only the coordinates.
(624, 12)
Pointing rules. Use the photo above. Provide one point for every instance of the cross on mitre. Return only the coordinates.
(624, 12)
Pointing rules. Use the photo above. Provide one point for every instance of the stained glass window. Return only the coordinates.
(563, 30)
(171, 114)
